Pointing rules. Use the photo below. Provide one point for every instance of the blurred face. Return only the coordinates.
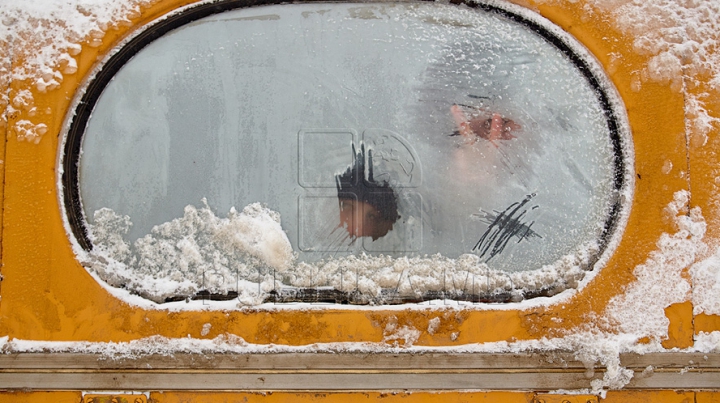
(361, 219)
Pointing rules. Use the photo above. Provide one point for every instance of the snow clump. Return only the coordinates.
(198, 251)
(660, 281)
(48, 37)
(681, 38)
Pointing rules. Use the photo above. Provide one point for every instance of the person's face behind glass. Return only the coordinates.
(361, 219)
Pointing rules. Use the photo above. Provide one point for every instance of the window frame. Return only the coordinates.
(580, 57)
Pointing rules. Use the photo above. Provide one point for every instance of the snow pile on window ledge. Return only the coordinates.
(248, 253)
(198, 251)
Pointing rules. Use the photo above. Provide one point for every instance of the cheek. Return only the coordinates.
(345, 216)
(347, 219)
(366, 227)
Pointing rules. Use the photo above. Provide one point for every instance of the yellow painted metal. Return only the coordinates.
(680, 330)
(40, 397)
(344, 397)
(566, 398)
(651, 396)
(48, 295)
(385, 397)
(706, 323)
(114, 398)
(707, 397)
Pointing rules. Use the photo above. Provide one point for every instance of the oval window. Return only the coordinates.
(357, 153)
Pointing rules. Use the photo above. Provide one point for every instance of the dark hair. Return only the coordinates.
(353, 184)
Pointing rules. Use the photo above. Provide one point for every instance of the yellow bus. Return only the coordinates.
(259, 201)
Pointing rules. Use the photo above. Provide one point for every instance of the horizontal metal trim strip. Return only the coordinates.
(388, 371)
(350, 361)
(208, 371)
(337, 382)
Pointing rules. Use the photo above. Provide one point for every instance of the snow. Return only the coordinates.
(659, 284)
(198, 251)
(679, 37)
(400, 336)
(592, 349)
(660, 281)
(705, 276)
(48, 37)
(433, 325)
(707, 342)
(249, 253)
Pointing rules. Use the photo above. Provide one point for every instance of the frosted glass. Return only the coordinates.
(267, 104)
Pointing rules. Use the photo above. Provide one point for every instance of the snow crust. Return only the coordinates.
(705, 276)
(48, 36)
(679, 36)
(198, 251)
(602, 352)
(681, 40)
(249, 253)
(660, 280)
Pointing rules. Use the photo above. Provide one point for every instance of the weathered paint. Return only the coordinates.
(650, 396)
(388, 397)
(707, 397)
(385, 397)
(331, 397)
(40, 397)
(680, 330)
(560, 398)
(48, 295)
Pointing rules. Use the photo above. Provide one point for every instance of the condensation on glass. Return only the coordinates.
(362, 153)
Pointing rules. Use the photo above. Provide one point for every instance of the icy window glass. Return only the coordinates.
(348, 152)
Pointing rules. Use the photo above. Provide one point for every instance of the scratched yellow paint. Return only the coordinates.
(342, 397)
(40, 397)
(662, 396)
(48, 295)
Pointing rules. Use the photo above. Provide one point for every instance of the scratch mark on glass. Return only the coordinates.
(503, 226)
